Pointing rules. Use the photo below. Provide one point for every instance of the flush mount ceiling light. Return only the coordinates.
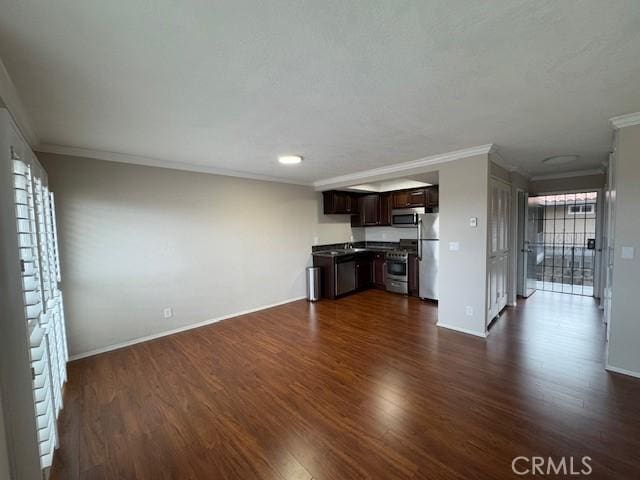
(289, 159)
(560, 159)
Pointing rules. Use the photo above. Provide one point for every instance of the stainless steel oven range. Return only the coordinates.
(397, 271)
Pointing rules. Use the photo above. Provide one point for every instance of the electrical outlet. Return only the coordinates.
(454, 246)
(316, 240)
(469, 311)
(168, 312)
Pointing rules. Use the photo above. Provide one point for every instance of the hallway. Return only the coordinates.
(365, 386)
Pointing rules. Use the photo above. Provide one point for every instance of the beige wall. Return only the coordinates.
(136, 239)
(463, 273)
(561, 185)
(4, 453)
(624, 341)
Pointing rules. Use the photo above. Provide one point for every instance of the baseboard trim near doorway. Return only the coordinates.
(184, 328)
(623, 371)
(462, 330)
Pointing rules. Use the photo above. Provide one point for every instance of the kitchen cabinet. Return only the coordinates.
(363, 272)
(409, 198)
(413, 274)
(338, 202)
(379, 271)
(432, 196)
(375, 210)
(370, 210)
(344, 274)
(385, 207)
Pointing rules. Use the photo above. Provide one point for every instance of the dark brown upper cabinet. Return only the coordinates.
(386, 205)
(370, 210)
(432, 197)
(375, 210)
(409, 198)
(335, 201)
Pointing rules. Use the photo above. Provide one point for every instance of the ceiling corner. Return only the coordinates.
(11, 99)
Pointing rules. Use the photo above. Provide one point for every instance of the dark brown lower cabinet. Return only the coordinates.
(379, 271)
(363, 272)
(327, 275)
(414, 275)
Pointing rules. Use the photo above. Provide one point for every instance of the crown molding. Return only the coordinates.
(521, 171)
(405, 168)
(578, 173)
(627, 120)
(12, 102)
(157, 162)
(501, 162)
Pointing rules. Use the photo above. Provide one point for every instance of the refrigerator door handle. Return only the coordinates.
(419, 239)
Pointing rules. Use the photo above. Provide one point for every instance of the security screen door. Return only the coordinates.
(566, 242)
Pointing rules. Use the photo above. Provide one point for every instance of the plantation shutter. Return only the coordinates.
(44, 311)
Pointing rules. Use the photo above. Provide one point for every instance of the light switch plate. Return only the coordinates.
(167, 312)
(473, 222)
(454, 246)
(627, 253)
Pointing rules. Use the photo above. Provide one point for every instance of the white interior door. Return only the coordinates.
(499, 247)
(609, 240)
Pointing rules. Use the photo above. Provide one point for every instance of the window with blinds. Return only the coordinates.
(44, 312)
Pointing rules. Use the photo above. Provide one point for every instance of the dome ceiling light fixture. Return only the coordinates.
(289, 159)
(561, 159)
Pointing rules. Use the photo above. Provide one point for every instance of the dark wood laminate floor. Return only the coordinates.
(363, 387)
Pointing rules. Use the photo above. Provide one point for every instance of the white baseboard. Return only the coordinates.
(191, 326)
(631, 373)
(463, 330)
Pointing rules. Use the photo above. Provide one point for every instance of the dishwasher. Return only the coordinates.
(345, 280)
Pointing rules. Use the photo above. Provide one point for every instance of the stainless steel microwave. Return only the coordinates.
(406, 217)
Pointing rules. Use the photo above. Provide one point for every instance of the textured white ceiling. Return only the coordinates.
(348, 85)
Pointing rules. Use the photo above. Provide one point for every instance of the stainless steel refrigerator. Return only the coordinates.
(429, 254)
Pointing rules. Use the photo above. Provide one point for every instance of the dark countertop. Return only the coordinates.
(353, 251)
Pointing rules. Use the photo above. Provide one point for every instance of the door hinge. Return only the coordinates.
(14, 154)
(33, 373)
(22, 266)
